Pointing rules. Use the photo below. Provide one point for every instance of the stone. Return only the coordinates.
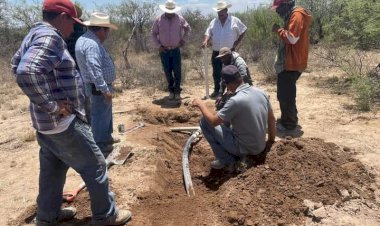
(344, 194)
(319, 214)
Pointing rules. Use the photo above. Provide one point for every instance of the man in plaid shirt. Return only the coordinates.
(46, 73)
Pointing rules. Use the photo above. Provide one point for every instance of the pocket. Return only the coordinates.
(94, 91)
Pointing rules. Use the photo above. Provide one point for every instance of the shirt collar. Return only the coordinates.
(242, 87)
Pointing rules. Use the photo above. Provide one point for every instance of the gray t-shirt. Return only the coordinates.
(247, 111)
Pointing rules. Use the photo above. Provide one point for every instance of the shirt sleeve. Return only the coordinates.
(241, 28)
(94, 67)
(186, 27)
(154, 33)
(209, 30)
(40, 59)
(295, 26)
(228, 111)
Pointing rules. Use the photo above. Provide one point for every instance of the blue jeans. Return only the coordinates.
(74, 148)
(171, 62)
(222, 141)
(101, 116)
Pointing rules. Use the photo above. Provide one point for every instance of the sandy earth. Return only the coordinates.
(329, 176)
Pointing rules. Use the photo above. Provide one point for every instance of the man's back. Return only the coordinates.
(247, 112)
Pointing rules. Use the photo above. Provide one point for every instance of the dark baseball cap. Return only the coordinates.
(62, 6)
(230, 74)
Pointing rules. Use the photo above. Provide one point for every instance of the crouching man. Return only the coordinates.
(249, 113)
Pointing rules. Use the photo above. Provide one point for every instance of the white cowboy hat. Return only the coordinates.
(221, 5)
(100, 20)
(170, 7)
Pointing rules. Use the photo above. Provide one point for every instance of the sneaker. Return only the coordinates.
(177, 96)
(122, 217)
(113, 141)
(171, 96)
(217, 164)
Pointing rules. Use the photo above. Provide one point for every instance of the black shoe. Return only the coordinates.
(214, 95)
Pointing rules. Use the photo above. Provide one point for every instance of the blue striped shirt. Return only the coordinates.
(45, 71)
(95, 63)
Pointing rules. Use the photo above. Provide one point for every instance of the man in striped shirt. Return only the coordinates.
(45, 71)
(98, 73)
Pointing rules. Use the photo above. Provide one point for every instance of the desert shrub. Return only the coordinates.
(356, 24)
(266, 65)
(259, 35)
(359, 75)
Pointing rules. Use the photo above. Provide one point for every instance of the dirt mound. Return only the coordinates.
(158, 116)
(296, 172)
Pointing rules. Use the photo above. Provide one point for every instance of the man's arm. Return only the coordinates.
(237, 42)
(292, 35)
(213, 119)
(154, 34)
(271, 126)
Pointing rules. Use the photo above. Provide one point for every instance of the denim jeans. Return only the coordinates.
(74, 148)
(286, 95)
(222, 141)
(171, 62)
(101, 116)
(216, 70)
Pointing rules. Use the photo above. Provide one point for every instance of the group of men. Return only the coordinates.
(71, 109)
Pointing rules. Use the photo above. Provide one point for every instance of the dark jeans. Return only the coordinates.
(171, 62)
(286, 95)
(216, 69)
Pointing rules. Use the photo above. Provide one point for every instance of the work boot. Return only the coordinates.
(217, 164)
(65, 214)
(177, 96)
(171, 96)
(122, 217)
(214, 95)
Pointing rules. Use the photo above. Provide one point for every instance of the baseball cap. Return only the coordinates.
(61, 6)
(230, 74)
(224, 51)
(277, 3)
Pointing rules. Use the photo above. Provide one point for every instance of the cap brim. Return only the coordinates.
(78, 21)
(274, 7)
(219, 56)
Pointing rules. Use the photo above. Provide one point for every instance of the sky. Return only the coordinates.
(204, 5)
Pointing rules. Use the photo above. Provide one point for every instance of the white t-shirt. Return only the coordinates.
(225, 36)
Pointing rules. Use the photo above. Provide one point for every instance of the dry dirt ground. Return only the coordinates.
(328, 174)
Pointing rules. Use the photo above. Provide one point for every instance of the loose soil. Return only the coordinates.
(327, 174)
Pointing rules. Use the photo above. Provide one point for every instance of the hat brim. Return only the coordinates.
(89, 24)
(166, 10)
(78, 21)
(221, 55)
(220, 9)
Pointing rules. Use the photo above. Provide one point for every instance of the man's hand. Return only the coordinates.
(197, 102)
(65, 108)
(161, 49)
(275, 27)
(181, 43)
(108, 96)
(204, 44)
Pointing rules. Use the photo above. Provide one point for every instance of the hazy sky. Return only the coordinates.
(204, 5)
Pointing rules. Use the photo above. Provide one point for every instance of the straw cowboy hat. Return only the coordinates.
(100, 20)
(221, 5)
(170, 7)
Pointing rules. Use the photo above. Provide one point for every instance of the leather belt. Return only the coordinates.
(170, 47)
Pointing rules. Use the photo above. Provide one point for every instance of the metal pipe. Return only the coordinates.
(185, 163)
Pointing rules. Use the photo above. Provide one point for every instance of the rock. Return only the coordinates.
(319, 214)
(354, 195)
(318, 205)
(299, 145)
(309, 207)
(344, 194)
(249, 222)
(232, 217)
(346, 149)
